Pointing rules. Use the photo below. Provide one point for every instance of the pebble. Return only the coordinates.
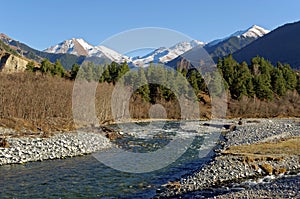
(58, 146)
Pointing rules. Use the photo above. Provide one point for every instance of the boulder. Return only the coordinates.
(10, 63)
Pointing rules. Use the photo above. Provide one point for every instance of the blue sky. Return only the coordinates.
(41, 24)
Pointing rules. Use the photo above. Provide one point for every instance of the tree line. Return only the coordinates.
(260, 79)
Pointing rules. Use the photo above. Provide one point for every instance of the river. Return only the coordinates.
(86, 177)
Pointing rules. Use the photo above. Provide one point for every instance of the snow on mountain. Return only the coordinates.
(254, 31)
(164, 54)
(80, 47)
(160, 55)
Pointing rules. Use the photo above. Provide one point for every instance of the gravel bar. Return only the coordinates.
(225, 170)
(61, 145)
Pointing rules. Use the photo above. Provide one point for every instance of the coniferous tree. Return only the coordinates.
(123, 69)
(88, 71)
(241, 78)
(98, 73)
(278, 82)
(113, 72)
(30, 66)
(142, 85)
(182, 83)
(58, 69)
(262, 78)
(262, 86)
(215, 85)
(74, 70)
(289, 76)
(192, 78)
(46, 66)
(106, 75)
(227, 69)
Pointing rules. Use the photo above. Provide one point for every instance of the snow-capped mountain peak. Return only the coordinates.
(164, 54)
(182, 47)
(72, 46)
(254, 32)
(78, 46)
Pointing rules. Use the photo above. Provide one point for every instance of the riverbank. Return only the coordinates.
(60, 145)
(228, 167)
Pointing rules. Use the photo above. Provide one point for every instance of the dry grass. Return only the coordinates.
(267, 168)
(256, 155)
(288, 146)
(286, 106)
(35, 102)
(278, 171)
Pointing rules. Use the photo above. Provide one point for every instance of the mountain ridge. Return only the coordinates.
(67, 60)
(79, 47)
(253, 31)
(163, 54)
(234, 42)
(280, 45)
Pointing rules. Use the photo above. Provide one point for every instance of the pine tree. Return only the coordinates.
(289, 76)
(88, 71)
(181, 84)
(113, 72)
(58, 69)
(192, 78)
(46, 66)
(106, 75)
(262, 86)
(227, 69)
(74, 70)
(142, 85)
(98, 73)
(30, 66)
(215, 85)
(261, 70)
(278, 82)
(241, 84)
(123, 69)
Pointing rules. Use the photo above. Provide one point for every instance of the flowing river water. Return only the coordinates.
(86, 177)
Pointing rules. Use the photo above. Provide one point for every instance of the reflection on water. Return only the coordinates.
(86, 177)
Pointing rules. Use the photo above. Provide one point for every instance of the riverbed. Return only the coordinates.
(86, 177)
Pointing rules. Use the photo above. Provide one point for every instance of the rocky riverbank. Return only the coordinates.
(61, 145)
(228, 168)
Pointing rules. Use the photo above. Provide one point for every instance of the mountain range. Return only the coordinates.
(281, 44)
(216, 48)
(234, 42)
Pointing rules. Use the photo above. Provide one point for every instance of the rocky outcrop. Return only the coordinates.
(10, 63)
